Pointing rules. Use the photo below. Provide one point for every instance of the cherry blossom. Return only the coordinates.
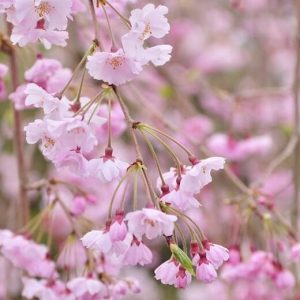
(150, 222)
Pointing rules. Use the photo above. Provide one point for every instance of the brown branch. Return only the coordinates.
(18, 138)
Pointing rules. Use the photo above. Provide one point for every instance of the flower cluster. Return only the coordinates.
(126, 63)
(46, 73)
(99, 213)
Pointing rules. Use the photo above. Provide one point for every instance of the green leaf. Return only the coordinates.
(183, 258)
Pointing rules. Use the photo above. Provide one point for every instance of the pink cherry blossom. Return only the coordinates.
(118, 228)
(183, 278)
(285, 279)
(107, 168)
(38, 288)
(206, 272)
(18, 97)
(29, 256)
(81, 286)
(41, 20)
(216, 254)
(72, 255)
(151, 223)
(40, 98)
(100, 241)
(167, 272)
(137, 253)
(295, 252)
(114, 68)
(48, 74)
(97, 240)
(79, 205)
(181, 200)
(150, 21)
(199, 174)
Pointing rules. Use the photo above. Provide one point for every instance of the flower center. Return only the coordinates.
(150, 222)
(116, 62)
(147, 31)
(43, 9)
(49, 142)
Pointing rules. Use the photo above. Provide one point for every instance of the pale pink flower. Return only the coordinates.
(29, 256)
(238, 150)
(183, 278)
(5, 235)
(199, 174)
(38, 289)
(114, 68)
(150, 21)
(54, 13)
(97, 240)
(100, 241)
(133, 47)
(41, 71)
(5, 4)
(22, 37)
(285, 279)
(78, 205)
(73, 255)
(181, 200)
(137, 253)
(118, 228)
(151, 223)
(120, 289)
(38, 130)
(38, 97)
(107, 168)
(295, 252)
(48, 74)
(216, 254)
(167, 272)
(81, 286)
(76, 163)
(18, 97)
(206, 272)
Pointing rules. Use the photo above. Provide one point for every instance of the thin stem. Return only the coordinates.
(135, 191)
(126, 21)
(182, 237)
(167, 147)
(151, 148)
(80, 86)
(95, 108)
(130, 122)
(275, 163)
(109, 26)
(95, 24)
(130, 169)
(19, 146)
(81, 63)
(69, 217)
(185, 149)
(88, 104)
(109, 123)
